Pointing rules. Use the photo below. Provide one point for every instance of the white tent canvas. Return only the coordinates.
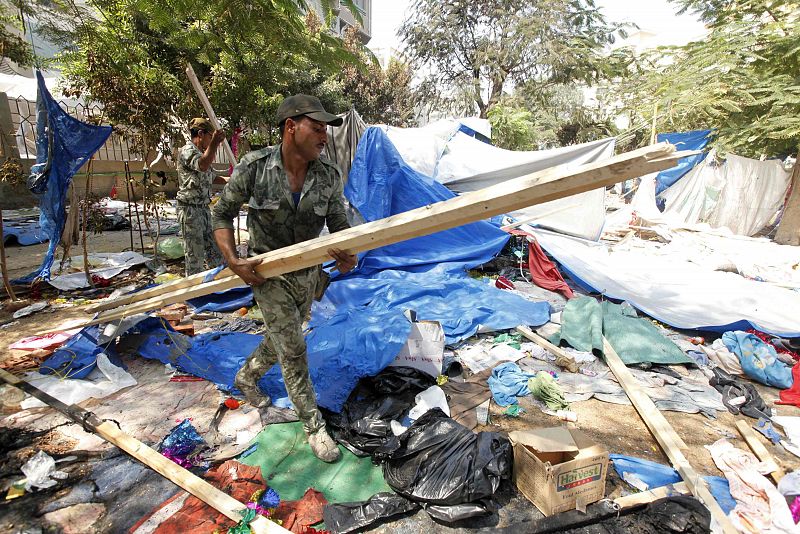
(463, 164)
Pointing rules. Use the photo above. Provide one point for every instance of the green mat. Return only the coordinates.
(585, 321)
(290, 468)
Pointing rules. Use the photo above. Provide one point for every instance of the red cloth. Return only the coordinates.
(766, 338)
(237, 480)
(792, 395)
(299, 515)
(543, 272)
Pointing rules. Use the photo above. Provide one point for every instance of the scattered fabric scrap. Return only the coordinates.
(758, 359)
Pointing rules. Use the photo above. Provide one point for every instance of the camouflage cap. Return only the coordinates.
(307, 105)
(199, 123)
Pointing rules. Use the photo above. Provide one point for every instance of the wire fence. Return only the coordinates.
(116, 148)
(23, 118)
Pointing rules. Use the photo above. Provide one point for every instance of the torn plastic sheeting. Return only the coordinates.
(675, 293)
(655, 475)
(346, 517)
(440, 462)
(26, 233)
(104, 265)
(693, 140)
(224, 301)
(104, 379)
(76, 359)
(63, 145)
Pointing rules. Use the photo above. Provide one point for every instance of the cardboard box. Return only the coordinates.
(424, 348)
(559, 469)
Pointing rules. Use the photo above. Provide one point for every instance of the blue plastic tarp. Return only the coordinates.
(694, 140)
(77, 357)
(63, 145)
(25, 233)
(224, 301)
(656, 475)
(381, 184)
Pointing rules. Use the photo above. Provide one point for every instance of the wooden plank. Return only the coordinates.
(646, 497)
(201, 94)
(220, 501)
(664, 434)
(562, 358)
(541, 186)
(761, 452)
(518, 193)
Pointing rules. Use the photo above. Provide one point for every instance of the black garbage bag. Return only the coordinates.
(441, 462)
(346, 517)
(363, 424)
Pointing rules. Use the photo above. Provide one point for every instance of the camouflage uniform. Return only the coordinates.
(194, 192)
(274, 222)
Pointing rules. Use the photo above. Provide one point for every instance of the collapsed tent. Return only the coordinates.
(463, 163)
(694, 140)
(677, 291)
(63, 145)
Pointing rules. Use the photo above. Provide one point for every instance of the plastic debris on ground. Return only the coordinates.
(431, 398)
(454, 471)
(181, 446)
(347, 517)
(102, 379)
(28, 310)
(646, 475)
(41, 472)
(171, 248)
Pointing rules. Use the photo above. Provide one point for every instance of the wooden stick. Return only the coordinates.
(222, 502)
(514, 194)
(758, 448)
(664, 434)
(3, 267)
(558, 352)
(201, 94)
(646, 497)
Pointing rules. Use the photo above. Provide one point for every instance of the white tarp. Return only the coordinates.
(741, 194)
(464, 164)
(105, 265)
(681, 291)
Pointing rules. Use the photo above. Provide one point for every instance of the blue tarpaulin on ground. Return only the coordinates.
(77, 357)
(656, 475)
(694, 140)
(63, 145)
(26, 233)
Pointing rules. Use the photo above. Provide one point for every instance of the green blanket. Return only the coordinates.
(585, 321)
(290, 468)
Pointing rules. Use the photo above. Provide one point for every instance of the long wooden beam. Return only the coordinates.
(663, 432)
(536, 188)
(758, 448)
(220, 501)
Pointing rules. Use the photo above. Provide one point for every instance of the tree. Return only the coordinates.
(130, 56)
(380, 96)
(12, 45)
(480, 49)
(743, 79)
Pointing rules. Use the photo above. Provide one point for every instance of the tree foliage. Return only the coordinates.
(12, 45)
(479, 49)
(130, 55)
(381, 96)
(743, 79)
